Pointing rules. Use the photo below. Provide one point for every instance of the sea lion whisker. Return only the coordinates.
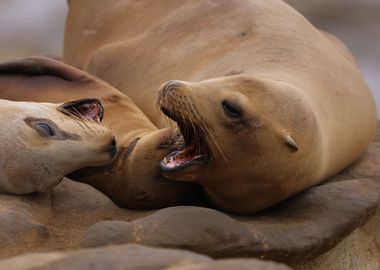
(78, 122)
(208, 133)
(221, 150)
(83, 118)
(198, 142)
(75, 114)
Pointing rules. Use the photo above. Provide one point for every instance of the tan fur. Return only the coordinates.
(296, 80)
(30, 162)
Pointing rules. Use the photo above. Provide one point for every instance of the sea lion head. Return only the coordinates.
(42, 142)
(246, 139)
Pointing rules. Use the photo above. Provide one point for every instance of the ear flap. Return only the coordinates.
(43, 79)
(89, 109)
(291, 143)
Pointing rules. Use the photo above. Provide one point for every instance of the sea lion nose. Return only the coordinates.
(170, 86)
(112, 148)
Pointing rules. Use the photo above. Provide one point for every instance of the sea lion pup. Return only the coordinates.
(42, 142)
(133, 179)
(272, 105)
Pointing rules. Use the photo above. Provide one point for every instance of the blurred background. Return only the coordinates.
(35, 27)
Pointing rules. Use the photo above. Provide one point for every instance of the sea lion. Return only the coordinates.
(132, 179)
(42, 142)
(272, 105)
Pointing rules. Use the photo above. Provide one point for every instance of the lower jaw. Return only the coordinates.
(182, 175)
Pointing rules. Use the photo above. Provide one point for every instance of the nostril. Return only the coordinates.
(113, 142)
(112, 148)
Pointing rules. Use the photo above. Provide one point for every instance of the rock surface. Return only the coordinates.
(55, 220)
(20, 227)
(131, 257)
(300, 228)
(359, 251)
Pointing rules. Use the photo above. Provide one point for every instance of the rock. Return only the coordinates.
(358, 251)
(368, 166)
(377, 136)
(109, 233)
(298, 229)
(373, 227)
(198, 229)
(20, 228)
(75, 207)
(238, 264)
(54, 220)
(71, 198)
(130, 257)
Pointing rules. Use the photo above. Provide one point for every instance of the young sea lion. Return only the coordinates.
(43, 142)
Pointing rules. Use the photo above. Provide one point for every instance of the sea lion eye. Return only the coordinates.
(231, 110)
(45, 130)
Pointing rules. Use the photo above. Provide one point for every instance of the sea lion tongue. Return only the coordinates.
(182, 159)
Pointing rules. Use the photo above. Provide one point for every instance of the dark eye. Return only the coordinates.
(231, 110)
(45, 130)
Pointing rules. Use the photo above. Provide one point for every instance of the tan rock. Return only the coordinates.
(303, 227)
(55, 220)
(358, 251)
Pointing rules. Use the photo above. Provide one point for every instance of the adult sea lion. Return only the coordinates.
(42, 142)
(132, 179)
(273, 105)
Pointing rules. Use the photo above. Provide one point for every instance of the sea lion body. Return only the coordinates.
(307, 111)
(41, 144)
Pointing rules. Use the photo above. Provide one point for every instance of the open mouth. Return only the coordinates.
(194, 149)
